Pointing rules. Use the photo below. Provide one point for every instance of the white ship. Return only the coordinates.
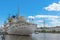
(19, 25)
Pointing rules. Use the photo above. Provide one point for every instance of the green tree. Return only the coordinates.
(43, 30)
(53, 31)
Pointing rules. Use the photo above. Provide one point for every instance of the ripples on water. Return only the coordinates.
(41, 36)
(46, 36)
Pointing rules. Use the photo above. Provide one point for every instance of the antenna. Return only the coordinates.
(18, 14)
(18, 11)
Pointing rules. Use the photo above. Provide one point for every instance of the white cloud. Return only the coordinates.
(52, 20)
(31, 17)
(39, 21)
(43, 16)
(46, 16)
(40, 25)
(53, 7)
(59, 2)
(55, 22)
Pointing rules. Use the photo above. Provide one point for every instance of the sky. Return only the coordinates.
(38, 10)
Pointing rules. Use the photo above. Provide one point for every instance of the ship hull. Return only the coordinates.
(21, 30)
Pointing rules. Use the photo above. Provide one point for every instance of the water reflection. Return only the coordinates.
(40, 36)
(46, 36)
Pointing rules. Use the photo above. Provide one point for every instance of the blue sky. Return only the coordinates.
(39, 10)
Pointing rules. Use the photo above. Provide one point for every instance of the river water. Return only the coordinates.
(46, 36)
(39, 36)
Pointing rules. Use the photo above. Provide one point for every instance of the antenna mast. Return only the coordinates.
(18, 14)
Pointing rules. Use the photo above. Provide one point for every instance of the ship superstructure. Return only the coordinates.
(19, 25)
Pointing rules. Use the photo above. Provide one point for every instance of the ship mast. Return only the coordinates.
(18, 14)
